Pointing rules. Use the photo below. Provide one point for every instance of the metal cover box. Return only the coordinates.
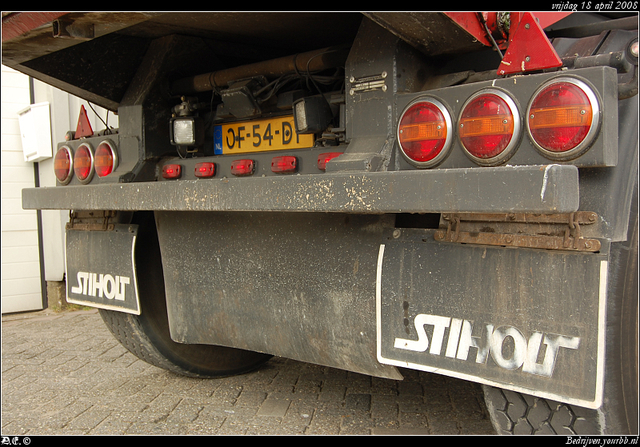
(35, 130)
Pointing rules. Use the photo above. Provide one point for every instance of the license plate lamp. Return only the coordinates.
(312, 114)
(186, 131)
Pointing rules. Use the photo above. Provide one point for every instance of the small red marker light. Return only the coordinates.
(171, 171)
(323, 159)
(205, 169)
(284, 165)
(242, 167)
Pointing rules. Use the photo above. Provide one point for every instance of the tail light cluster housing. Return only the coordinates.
(84, 162)
(561, 118)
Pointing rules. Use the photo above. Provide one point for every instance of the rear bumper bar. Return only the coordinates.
(535, 189)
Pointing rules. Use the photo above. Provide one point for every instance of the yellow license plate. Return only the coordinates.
(272, 134)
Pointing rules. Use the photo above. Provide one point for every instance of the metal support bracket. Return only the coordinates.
(544, 231)
(91, 220)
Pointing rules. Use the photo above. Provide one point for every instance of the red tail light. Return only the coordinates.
(63, 165)
(205, 169)
(83, 163)
(105, 159)
(489, 127)
(242, 167)
(171, 171)
(284, 165)
(563, 118)
(424, 132)
(323, 159)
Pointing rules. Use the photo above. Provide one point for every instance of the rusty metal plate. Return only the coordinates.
(526, 320)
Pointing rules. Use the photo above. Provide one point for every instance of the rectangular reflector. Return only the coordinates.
(242, 167)
(171, 171)
(324, 158)
(205, 169)
(283, 165)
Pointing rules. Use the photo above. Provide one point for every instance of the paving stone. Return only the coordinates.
(65, 374)
(274, 407)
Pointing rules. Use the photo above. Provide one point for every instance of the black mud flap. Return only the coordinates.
(521, 319)
(101, 268)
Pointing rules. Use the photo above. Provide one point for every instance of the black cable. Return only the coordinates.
(486, 29)
(96, 113)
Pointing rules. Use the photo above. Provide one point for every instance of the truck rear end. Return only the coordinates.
(449, 192)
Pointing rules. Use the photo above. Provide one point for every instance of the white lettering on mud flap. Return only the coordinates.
(525, 352)
(546, 350)
(100, 284)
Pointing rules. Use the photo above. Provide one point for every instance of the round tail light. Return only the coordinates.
(106, 159)
(424, 132)
(63, 165)
(563, 118)
(489, 127)
(83, 163)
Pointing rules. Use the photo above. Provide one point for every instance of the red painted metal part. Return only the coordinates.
(19, 23)
(529, 48)
(84, 126)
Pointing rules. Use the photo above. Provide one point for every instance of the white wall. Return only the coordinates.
(21, 283)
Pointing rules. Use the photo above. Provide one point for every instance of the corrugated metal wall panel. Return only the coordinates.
(21, 281)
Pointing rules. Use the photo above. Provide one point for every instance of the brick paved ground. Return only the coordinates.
(64, 374)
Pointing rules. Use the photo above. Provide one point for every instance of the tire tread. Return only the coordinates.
(520, 414)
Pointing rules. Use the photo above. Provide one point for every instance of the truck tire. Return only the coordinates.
(147, 335)
(515, 413)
